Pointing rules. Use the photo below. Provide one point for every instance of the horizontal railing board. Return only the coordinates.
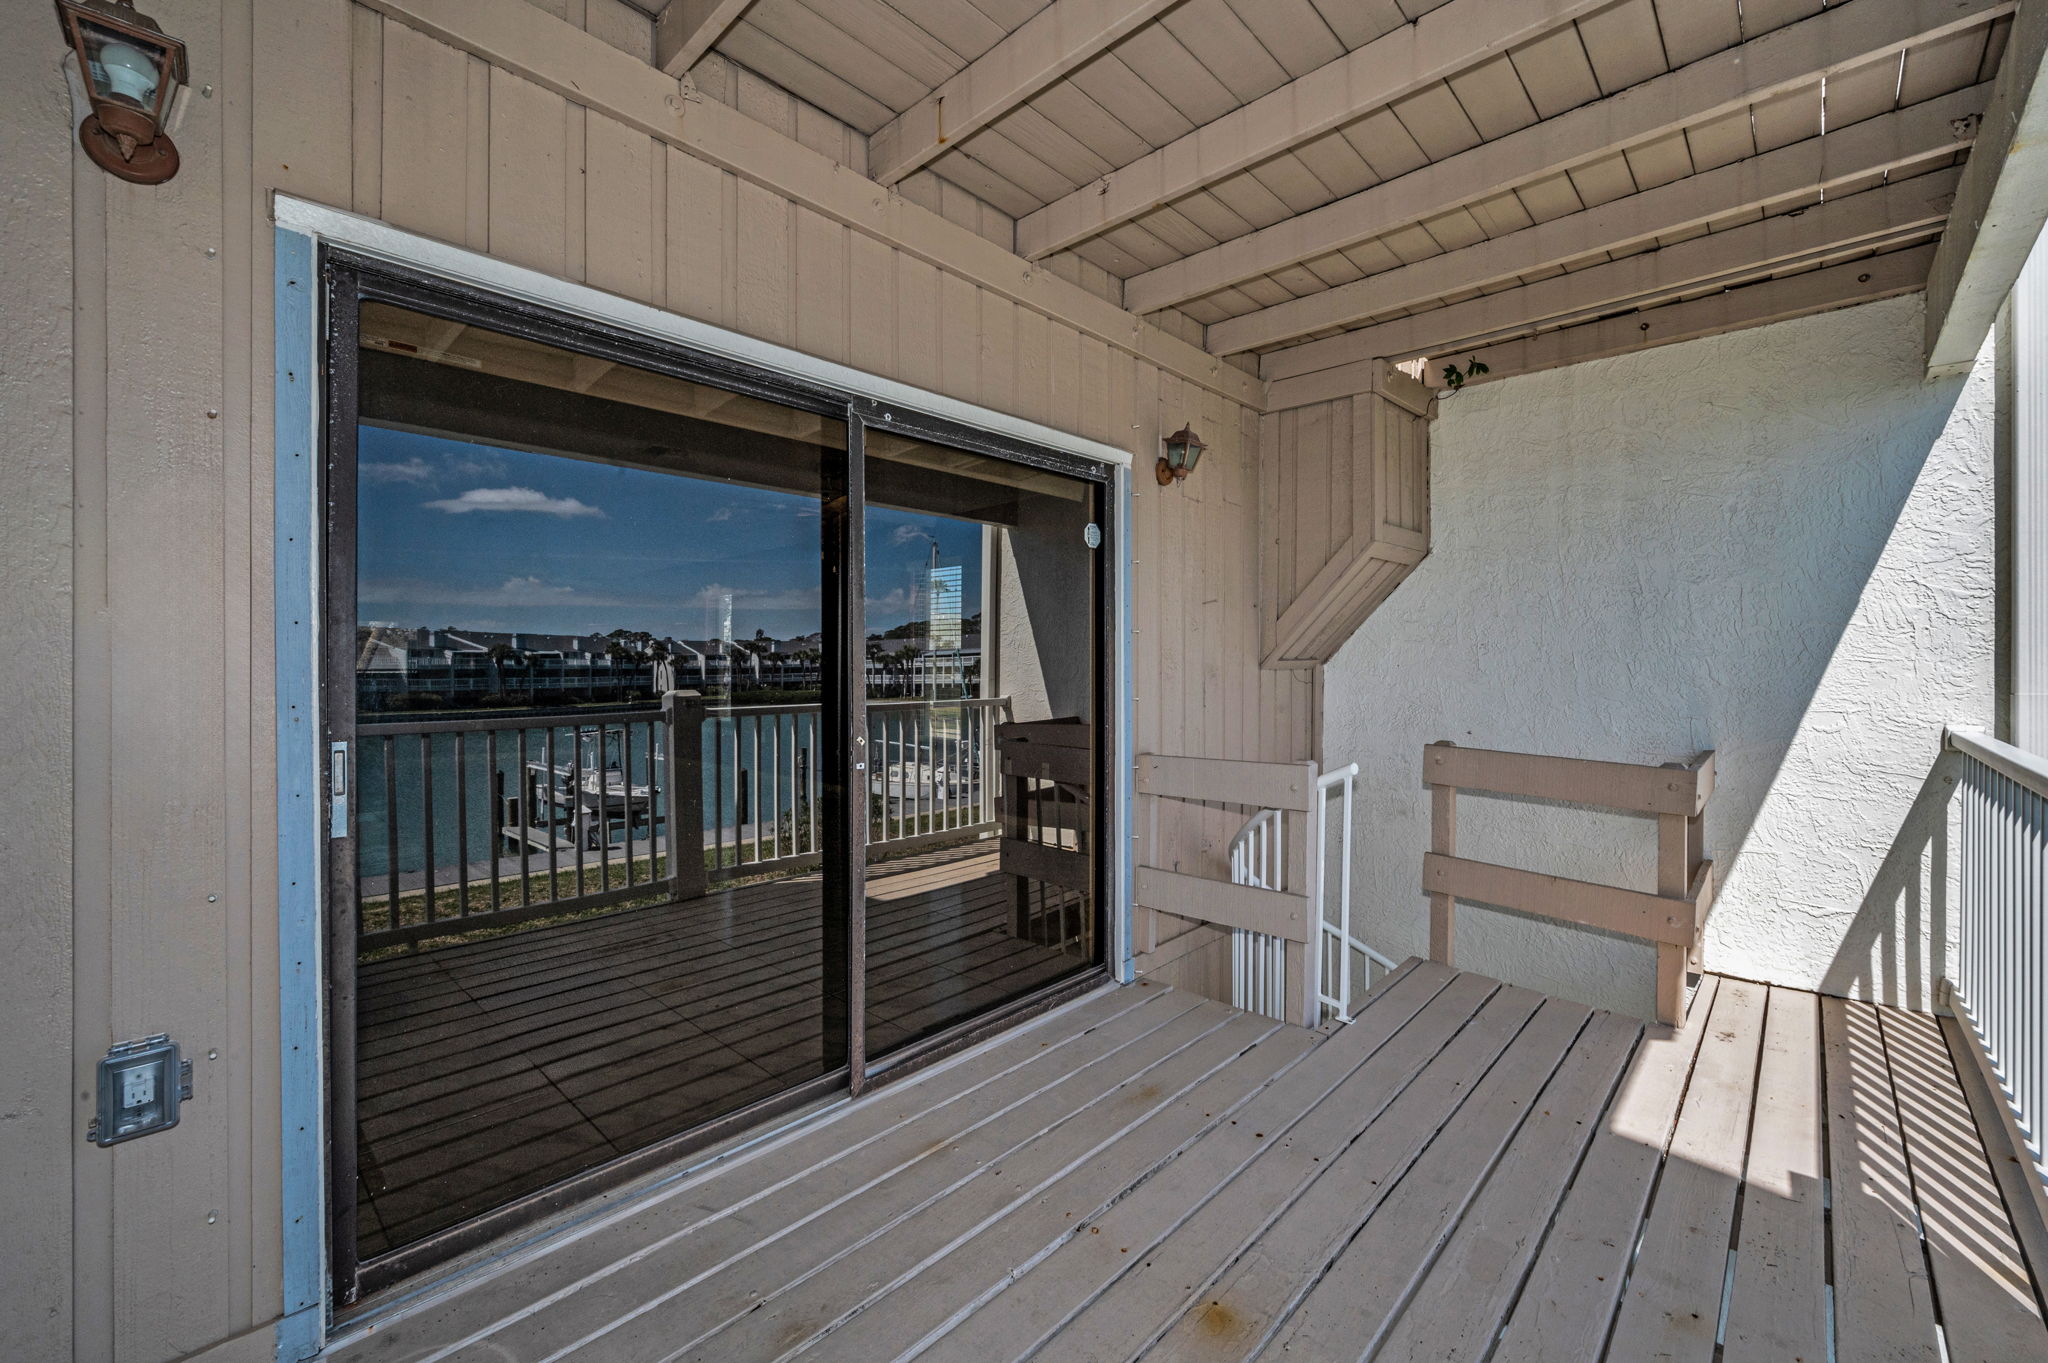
(1634, 912)
(1046, 762)
(2003, 758)
(1059, 866)
(1273, 912)
(1611, 785)
(1262, 785)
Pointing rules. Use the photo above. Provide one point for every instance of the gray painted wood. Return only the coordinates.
(1463, 1173)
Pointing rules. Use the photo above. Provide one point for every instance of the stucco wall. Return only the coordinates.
(1776, 544)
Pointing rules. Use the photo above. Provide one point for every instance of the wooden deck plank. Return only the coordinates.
(700, 1280)
(1242, 1309)
(1132, 1312)
(1671, 1307)
(937, 1280)
(1350, 1307)
(1061, 1283)
(880, 1132)
(1884, 1299)
(1147, 1175)
(1777, 1305)
(1988, 1308)
(638, 1024)
(1569, 1300)
(1457, 1310)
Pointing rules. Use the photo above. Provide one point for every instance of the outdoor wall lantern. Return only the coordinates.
(133, 71)
(1183, 451)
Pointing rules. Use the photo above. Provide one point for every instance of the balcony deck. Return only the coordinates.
(1469, 1171)
(492, 1068)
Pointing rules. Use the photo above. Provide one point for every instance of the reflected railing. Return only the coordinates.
(485, 822)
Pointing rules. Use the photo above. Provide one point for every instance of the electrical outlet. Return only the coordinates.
(141, 1085)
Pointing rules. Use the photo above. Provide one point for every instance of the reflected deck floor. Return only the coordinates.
(1467, 1172)
(493, 1068)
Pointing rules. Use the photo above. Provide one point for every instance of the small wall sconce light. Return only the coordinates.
(133, 70)
(1183, 451)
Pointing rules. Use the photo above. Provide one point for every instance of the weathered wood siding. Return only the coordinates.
(170, 908)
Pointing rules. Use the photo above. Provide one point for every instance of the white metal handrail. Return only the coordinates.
(1258, 858)
(1995, 989)
(1343, 958)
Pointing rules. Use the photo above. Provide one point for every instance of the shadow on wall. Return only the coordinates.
(1896, 947)
(1641, 558)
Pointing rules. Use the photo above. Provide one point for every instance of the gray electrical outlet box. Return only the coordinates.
(141, 1084)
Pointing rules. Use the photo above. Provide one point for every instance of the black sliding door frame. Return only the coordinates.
(349, 281)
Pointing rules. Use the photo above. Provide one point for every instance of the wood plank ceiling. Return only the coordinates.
(1319, 182)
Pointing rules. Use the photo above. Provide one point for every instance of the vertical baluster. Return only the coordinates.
(626, 798)
(2036, 958)
(525, 775)
(2009, 1019)
(491, 762)
(554, 815)
(775, 852)
(577, 815)
(427, 820)
(927, 741)
(391, 827)
(717, 732)
(462, 824)
(754, 790)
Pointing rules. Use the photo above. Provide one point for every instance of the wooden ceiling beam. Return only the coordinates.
(685, 30)
(1774, 300)
(1876, 145)
(1057, 40)
(2000, 206)
(1889, 213)
(1840, 37)
(1440, 44)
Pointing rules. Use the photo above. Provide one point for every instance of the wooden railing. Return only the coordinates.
(1047, 769)
(1287, 787)
(1675, 794)
(465, 822)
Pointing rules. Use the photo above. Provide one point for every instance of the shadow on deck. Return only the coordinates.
(1468, 1172)
(493, 1068)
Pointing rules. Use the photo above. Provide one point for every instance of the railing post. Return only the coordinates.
(683, 713)
(1443, 840)
(1674, 876)
(1304, 959)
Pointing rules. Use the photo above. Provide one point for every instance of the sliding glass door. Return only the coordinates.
(983, 622)
(699, 746)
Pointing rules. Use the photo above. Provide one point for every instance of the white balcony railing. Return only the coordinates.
(1995, 988)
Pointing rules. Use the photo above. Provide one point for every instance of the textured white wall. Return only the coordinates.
(1777, 544)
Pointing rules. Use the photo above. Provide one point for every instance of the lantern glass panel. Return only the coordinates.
(123, 66)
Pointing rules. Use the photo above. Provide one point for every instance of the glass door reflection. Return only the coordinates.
(589, 667)
(981, 667)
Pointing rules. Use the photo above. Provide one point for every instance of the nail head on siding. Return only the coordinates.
(213, 899)
(212, 413)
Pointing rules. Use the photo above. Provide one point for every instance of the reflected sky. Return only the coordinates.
(454, 534)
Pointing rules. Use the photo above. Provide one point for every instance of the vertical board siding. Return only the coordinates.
(1344, 517)
(336, 103)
